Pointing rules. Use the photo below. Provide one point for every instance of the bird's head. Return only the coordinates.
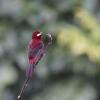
(36, 35)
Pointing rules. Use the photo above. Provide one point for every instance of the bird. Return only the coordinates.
(36, 51)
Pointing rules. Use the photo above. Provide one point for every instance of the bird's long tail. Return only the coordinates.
(23, 88)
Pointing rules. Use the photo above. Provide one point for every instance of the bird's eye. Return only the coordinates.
(39, 34)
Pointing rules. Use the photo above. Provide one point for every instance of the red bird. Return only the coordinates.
(36, 50)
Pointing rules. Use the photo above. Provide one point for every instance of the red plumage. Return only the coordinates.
(36, 50)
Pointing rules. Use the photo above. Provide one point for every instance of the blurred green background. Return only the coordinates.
(71, 68)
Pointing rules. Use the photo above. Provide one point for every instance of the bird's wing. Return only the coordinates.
(34, 54)
(34, 51)
(35, 57)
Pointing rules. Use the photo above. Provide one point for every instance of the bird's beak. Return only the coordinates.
(39, 34)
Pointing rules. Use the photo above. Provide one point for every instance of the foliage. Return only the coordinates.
(70, 70)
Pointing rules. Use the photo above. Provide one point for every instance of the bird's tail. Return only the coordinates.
(23, 88)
